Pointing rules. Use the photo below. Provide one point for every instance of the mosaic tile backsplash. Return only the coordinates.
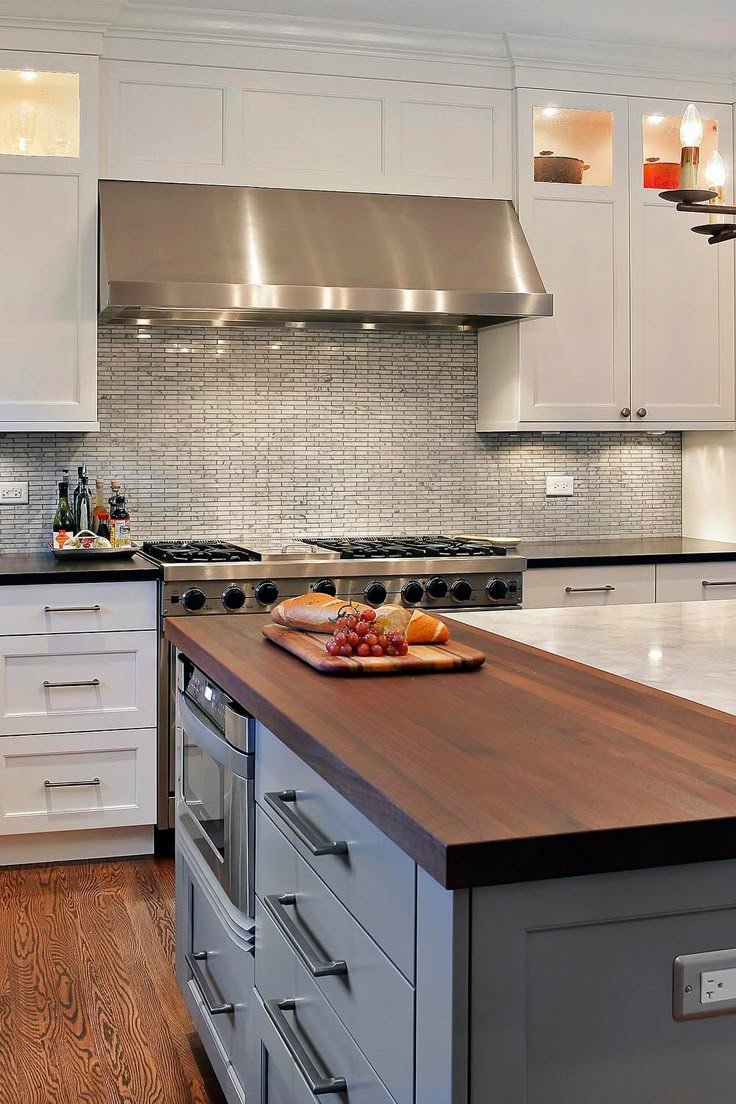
(265, 435)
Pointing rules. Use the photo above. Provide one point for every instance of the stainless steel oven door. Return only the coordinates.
(216, 802)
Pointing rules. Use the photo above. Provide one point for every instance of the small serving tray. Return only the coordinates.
(94, 553)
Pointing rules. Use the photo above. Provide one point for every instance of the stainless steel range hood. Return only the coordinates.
(214, 255)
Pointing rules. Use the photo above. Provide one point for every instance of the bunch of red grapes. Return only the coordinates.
(356, 634)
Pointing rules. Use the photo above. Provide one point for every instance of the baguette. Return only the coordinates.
(311, 612)
(418, 627)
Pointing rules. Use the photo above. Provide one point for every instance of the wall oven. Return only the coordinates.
(215, 786)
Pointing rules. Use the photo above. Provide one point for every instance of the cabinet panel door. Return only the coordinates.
(47, 282)
(682, 294)
(574, 366)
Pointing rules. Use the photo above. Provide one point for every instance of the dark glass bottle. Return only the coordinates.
(63, 518)
(120, 524)
(82, 501)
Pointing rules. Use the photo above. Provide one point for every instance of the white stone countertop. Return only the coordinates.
(685, 648)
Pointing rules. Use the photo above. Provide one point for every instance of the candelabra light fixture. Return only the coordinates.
(709, 200)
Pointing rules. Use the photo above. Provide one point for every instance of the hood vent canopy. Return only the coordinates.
(197, 254)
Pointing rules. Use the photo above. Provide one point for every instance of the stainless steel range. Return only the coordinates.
(209, 578)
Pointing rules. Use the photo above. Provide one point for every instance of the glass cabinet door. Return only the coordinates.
(661, 149)
(39, 113)
(572, 145)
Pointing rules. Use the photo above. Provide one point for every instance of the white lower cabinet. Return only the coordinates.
(79, 780)
(612, 585)
(696, 582)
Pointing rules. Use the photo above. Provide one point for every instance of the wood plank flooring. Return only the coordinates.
(90, 1012)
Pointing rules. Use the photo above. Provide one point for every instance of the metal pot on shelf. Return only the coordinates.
(552, 169)
(662, 175)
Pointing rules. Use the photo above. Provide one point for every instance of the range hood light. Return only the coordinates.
(368, 325)
(295, 325)
(143, 321)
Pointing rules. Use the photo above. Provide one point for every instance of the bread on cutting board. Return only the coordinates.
(319, 612)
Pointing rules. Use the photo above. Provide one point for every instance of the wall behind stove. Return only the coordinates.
(268, 434)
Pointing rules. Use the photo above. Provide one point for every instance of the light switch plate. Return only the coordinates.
(560, 485)
(704, 985)
(13, 493)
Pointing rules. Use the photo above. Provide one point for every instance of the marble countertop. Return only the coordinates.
(612, 550)
(685, 648)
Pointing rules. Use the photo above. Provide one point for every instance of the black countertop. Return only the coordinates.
(43, 567)
(634, 550)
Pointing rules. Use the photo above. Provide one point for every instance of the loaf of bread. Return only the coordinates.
(311, 612)
(418, 627)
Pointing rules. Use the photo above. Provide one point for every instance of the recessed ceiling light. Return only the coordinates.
(28, 75)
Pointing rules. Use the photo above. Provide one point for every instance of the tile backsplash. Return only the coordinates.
(266, 435)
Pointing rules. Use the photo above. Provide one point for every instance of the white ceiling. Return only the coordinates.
(673, 23)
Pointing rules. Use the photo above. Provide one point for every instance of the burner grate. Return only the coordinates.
(430, 546)
(198, 551)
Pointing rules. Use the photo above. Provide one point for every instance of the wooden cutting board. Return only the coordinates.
(422, 658)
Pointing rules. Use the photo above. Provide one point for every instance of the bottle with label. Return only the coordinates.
(63, 518)
(82, 501)
(100, 505)
(120, 524)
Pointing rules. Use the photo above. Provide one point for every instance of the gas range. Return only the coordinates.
(423, 572)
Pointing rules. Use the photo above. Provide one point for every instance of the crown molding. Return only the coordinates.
(72, 15)
(141, 19)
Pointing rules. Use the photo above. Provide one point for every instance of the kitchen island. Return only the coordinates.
(573, 833)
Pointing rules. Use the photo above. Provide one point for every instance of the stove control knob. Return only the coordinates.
(462, 590)
(412, 592)
(193, 599)
(233, 598)
(375, 593)
(497, 590)
(437, 587)
(325, 586)
(266, 593)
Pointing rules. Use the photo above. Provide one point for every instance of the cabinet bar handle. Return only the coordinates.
(59, 785)
(317, 1085)
(718, 582)
(275, 906)
(588, 590)
(193, 960)
(315, 843)
(55, 685)
(72, 609)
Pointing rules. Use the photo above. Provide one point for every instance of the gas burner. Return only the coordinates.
(432, 546)
(197, 552)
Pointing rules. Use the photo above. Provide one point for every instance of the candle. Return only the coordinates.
(715, 178)
(691, 135)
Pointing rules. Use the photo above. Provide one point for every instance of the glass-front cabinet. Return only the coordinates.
(48, 283)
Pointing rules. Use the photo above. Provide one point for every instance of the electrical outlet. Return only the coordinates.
(704, 985)
(13, 493)
(559, 485)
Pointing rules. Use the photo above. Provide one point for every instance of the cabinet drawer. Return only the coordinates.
(305, 1039)
(373, 878)
(696, 582)
(371, 997)
(616, 585)
(71, 683)
(97, 780)
(78, 607)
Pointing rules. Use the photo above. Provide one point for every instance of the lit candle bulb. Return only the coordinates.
(691, 135)
(715, 178)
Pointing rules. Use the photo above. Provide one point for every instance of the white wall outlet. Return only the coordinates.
(717, 985)
(13, 493)
(560, 485)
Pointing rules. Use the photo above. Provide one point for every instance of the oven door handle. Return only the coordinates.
(194, 723)
(214, 1007)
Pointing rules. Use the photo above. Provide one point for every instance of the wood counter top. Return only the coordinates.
(533, 767)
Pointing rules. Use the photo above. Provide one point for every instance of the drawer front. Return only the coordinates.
(696, 582)
(557, 587)
(96, 780)
(368, 993)
(78, 607)
(306, 1029)
(373, 878)
(71, 683)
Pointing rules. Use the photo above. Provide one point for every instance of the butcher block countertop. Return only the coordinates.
(533, 767)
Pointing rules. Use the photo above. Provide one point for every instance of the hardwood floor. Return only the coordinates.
(90, 1012)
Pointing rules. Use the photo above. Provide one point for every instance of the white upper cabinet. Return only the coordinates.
(682, 288)
(48, 284)
(299, 130)
(642, 334)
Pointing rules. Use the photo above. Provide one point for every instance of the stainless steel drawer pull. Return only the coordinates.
(55, 685)
(318, 1085)
(588, 590)
(60, 785)
(315, 843)
(72, 609)
(276, 906)
(719, 582)
(213, 1007)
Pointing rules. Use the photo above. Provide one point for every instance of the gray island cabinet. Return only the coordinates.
(418, 943)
